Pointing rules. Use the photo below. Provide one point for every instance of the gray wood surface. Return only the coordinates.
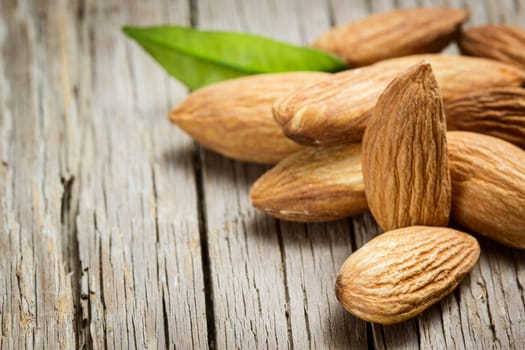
(117, 231)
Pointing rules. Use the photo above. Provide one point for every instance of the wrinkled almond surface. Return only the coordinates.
(400, 273)
(405, 167)
(496, 112)
(488, 186)
(234, 117)
(497, 41)
(336, 109)
(315, 184)
(396, 33)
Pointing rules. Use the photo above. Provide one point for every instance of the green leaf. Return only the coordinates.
(198, 58)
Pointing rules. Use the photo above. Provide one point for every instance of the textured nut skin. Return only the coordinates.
(496, 112)
(488, 186)
(314, 184)
(405, 166)
(336, 110)
(234, 117)
(393, 34)
(497, 41)
(400, 273)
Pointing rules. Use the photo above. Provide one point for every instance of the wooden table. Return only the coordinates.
(116, 231)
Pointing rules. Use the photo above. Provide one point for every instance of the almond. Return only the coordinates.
(234, 117)
(488, 186)
(405, 166)
(399, 274)
(496, 112)
(315, 184)
(396, 33)
(497, 41)
(336, 109)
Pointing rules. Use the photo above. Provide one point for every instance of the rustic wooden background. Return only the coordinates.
(116, 231)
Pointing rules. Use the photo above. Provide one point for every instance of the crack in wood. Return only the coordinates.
(285, 282)
(68, 215)
(369, 337)
(43, 245)
(166, 323)
(67, 189)
(483, 286)
(203, 234)
(194, 17)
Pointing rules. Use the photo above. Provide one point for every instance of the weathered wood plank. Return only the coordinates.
(138, 223)
(177, 219)
(313, 256)
(249, 298)
(35, 288)
(100, 236)
(294, 265)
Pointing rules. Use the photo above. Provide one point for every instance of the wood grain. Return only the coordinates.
(117, 232)
(100, 251)
(36, 294)
(138, 223)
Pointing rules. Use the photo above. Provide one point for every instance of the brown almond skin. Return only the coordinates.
(234, 117)
(314, 184)
(396, 33)
(488, 186)
(497, 41)
(336, 110)
(401, 273)
(496, 112)
(405, 166)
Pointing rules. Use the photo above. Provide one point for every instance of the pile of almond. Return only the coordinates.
(375, 138)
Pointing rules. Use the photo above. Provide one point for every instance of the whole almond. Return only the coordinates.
(400, 273)
(496, 112)
(234, 117)
(400, 32)
(497, 41)
(488, 186)
(315, 184)
(335, 110)
(405, 166)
